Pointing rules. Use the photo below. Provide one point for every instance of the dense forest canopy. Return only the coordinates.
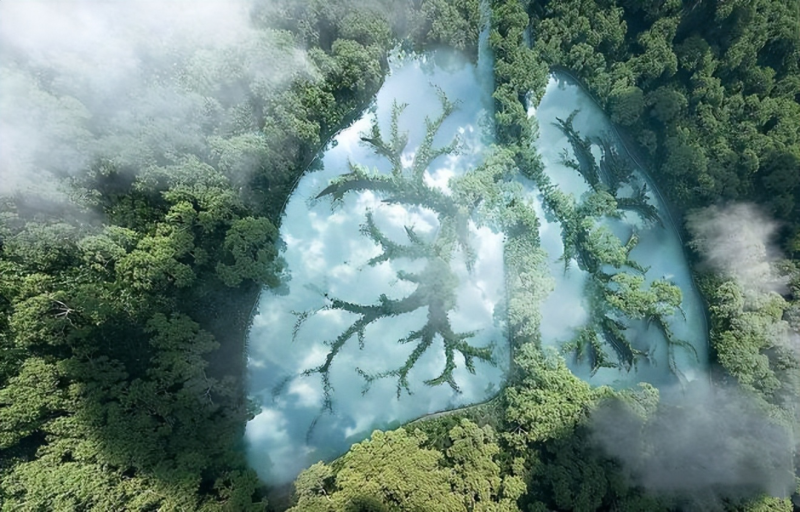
(147, 152)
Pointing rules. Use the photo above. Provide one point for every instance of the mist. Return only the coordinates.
(709, 444)
(137, 83)
(704, 445)
(737, 241)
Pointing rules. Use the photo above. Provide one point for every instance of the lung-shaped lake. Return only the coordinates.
(387, 316)
(629, 305)
(396, 305)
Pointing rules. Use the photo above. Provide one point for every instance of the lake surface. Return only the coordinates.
(328, 257)
(660, 250)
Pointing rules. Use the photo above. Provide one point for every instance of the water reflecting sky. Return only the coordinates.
(326, 253)
(660, 248)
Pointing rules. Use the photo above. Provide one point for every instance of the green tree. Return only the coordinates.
(666, 104)
(389, 472)
(547, 400)
(252, 244)
(626, 105)
(660, 299)
(477, 476)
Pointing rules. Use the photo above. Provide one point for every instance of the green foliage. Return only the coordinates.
(253, 244)
(587, 346)
(120, 369)
(394, 471)
(454, 24)
(112, 396)
(44, 248)
(477, 476)
(549, 440)
(748, 335)
(666, 104)
(660, 299)
(616, 297)
(547, 401)
(27, 399)
(626, 105)
(391, 471)
(768, 504)
(517, 74)
(719, 84)
(501, 204)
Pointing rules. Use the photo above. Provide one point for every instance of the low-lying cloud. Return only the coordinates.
(704, 445)
(737, 241)
(137, 82)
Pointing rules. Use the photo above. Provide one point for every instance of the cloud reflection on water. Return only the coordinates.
(327, 253)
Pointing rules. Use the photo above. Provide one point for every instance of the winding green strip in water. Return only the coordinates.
(633, 155)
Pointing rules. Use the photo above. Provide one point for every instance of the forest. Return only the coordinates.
(140, 219)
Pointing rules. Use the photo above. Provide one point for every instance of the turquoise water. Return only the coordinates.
(327, 254)
(660, 249)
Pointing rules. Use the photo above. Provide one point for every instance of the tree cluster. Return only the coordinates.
(709, 91)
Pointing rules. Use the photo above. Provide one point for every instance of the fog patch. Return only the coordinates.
(737, 241)
(137, 82)
(702, 446)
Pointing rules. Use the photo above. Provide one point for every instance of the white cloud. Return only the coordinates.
(737, 241)
(132, 81)
(440, 178)
(307, 395)
(268, 426)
